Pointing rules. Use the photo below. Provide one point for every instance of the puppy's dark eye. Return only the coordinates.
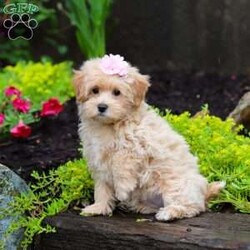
(116, 92)
(95, 90)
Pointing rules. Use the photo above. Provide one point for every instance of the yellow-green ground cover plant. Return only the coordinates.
(50, 194)
(39, 80)
(223, 155)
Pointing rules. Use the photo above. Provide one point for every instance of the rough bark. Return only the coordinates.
(208, 231)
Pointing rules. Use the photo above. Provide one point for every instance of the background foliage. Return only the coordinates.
(13, 51)
(89, 18)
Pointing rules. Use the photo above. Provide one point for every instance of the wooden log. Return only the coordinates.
(207, 231)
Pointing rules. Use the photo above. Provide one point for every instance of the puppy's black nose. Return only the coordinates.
(102, 107)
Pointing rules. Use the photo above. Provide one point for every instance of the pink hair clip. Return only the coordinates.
(114, 65)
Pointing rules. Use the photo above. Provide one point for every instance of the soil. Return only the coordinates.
(54, 141)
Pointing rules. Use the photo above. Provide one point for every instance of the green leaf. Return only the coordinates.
(89, 18)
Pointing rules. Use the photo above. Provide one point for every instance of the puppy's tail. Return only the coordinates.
(214, 189)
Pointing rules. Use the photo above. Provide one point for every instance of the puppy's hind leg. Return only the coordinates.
(185, 200)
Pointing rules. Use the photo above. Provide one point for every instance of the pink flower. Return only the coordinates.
(21, 130)
(114, 65)
(2, 118)
(51, 107)
(21, 105)
(10, 91)
(233, 77)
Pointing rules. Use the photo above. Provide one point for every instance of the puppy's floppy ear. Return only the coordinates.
(140, 87)
(78, 83)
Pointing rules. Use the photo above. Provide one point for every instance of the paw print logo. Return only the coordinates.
(20, 26)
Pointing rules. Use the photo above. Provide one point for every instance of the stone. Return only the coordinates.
(10, 185)
(241, 114)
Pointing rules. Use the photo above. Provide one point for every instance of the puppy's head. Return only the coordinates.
(105, 97)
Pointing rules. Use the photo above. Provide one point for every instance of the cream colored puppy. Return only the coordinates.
(134, 156)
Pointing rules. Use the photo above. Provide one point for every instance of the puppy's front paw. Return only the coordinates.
(96, 209)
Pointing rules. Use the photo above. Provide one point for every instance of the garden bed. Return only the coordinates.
(55, 141)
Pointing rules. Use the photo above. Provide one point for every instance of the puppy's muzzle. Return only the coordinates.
(102, 107)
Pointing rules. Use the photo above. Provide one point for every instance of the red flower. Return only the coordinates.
(51, 107)
(21, 105)
(21, 130)
(2, 118)
(10, 91)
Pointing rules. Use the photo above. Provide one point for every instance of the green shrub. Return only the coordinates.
(39, 81)
(222, 154)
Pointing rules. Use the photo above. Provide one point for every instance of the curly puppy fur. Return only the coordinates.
(134, 156)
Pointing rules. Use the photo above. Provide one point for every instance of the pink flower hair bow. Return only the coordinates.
(114, 65)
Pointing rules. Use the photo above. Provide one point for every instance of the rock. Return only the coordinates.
(10, 186)
(241, 114)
